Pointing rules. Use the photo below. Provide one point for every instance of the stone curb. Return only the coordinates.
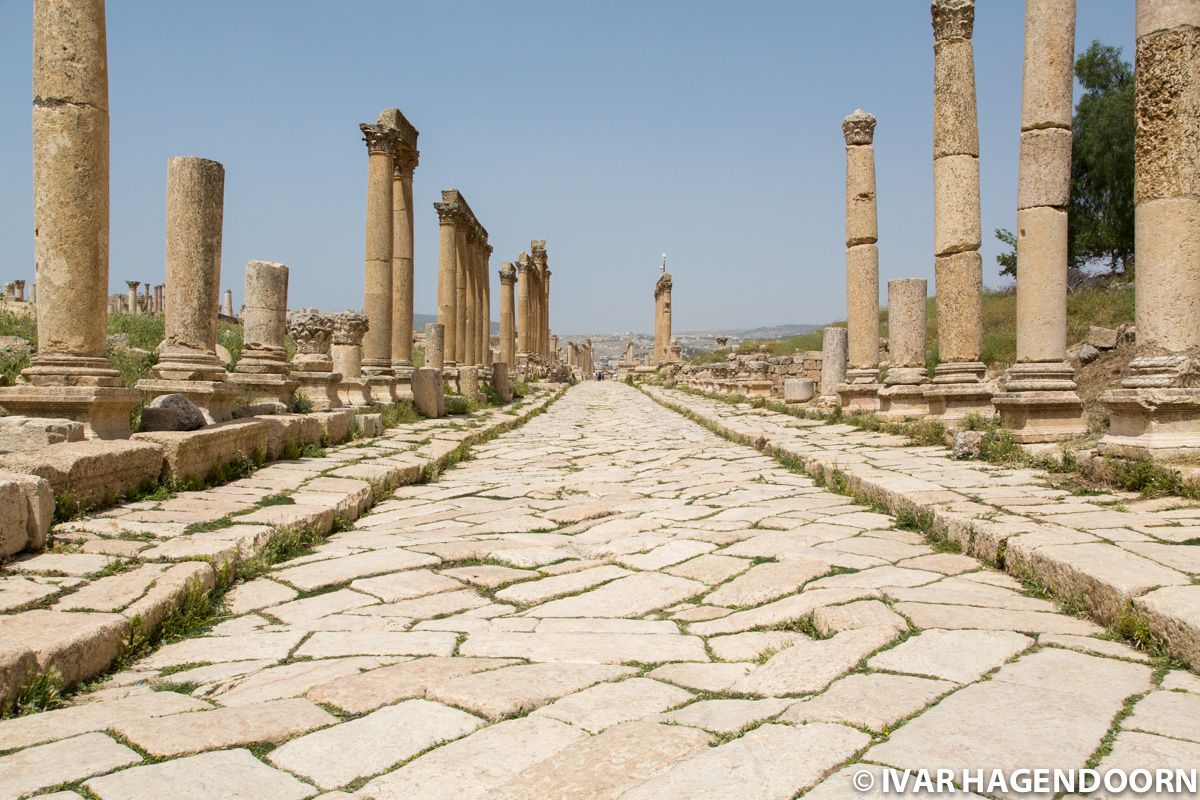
(1103, 579)
(35, 641)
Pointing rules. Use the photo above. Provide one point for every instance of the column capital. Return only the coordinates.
(379, 139)
(349, 327)
(133, 285)
(858, 128)
(404, 161)
(448, 213)
(952, 19)
(508, 274)
(311, 331)
(487, 249)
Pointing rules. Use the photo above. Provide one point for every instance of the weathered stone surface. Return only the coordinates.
(607, 704)
(171, 412)
(373, 743)
(180, 734)
(875, 702)
(606, 765)
(86, 717)
(766, 582)
(197, 454)
(46, 765)
(472, 768)
(772, 761)
(813, 665)
(319, 574)
(598, 648)
(94, 472)
(962, 656)
(509, 690)
(428, 395)
(77, 644)
(530, 592)
(224, 773)
(726, 716)
(625, 597)
(27, 434)
(26, 512)
(369, 690)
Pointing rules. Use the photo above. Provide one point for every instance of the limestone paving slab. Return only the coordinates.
(223, 773)
(607, 704)
(64, 761)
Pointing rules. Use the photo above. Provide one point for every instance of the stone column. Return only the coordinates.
(546, 319)
(508, 345)
(1156, 412)
(33, 293)
(19, 286)
(448, 216)
(435, 343)
(377, 297)
(485, 307)
(349, 328)
(525, 310)
(1039, 402)
(460, 355)
(834, 344)
(262, 371)
(312, 366)
(70, 376)
(957, 389)
(860, 391)
(228, 307)
(133, 295)
(149, 301)
(402, 262)
(903, 392)
(662, 332)
(188, 362)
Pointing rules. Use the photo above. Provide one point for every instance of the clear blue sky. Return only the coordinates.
(614, 130)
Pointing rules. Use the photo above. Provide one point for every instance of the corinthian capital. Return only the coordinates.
(448, 213)
(859, 127)
(952, 19)
(378, 138)
(508, 274)
(349, 327)
(404, 161)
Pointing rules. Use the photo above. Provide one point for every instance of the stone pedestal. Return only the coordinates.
(312, 367)
(1156, 412)
(346, 354)
(500, 381)
(468, 383)
(261, 374)
(428, 395)
(70, 376)
(833, 362)
(903, 392)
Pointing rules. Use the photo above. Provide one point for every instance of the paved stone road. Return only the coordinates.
(611, 602)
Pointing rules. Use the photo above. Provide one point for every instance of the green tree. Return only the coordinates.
(1008, 259)
(1101, 219)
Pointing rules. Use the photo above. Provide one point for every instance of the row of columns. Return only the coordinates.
(1156, 411)
(464, 290)
(534, 303)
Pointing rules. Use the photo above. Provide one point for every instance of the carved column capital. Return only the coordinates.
(379, 139)
(448, 213)
(859, 128)
(508, 274)
(953, 19)
(349, 327)
(311, 331)
(404, 162)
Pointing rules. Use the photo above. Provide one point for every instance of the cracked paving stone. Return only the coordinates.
(223, 773)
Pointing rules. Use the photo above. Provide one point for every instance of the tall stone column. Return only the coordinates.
(834, 343)
(262, 371)
(656, 353)
(188, 363)
(70, 376)
(485, 304)
(228, 304)
(349, 328)
(460, 354)
(402, 263)
(957, 389)
(312, 366)
(525, 300)
(448, 216)
(377, 295)
(662, 334)
(1039, 401)
(508, 345)
(546, 319)
(903, 392)
(537, 250)
(1156, 412)
(133, 295)
(861, 389)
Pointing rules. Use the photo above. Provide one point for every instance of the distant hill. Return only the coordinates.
(769, 332)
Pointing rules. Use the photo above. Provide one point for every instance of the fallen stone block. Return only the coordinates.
(1103, 338)
(91, 473)
(428, 395)
(196, 455)
(172, 412)
(798, 390)
(290, 432)
(370, 425)
(77, 644)
(26, 512)
(336, 424)
(25, 434)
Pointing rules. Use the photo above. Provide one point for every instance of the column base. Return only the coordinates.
(382, 389)
(903, 401)
(1036, 417)
(860, 392)
(321, 388)
(403, 389)
(1157, 423)
(103, 410)
(188, 365)
(215, 399)
(958, 392)
(263, 387)
(355, 392)
(754, 388)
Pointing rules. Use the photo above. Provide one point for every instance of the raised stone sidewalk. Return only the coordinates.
(110, 579)
(1117, 558)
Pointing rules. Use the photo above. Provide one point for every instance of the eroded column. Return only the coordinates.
(903, 392)
(508, 282)
(405, 163)
(860, 391)
(834, 344)
(957, 390)
(458, 354)
(262, 371)
(349, 328)
(227, 307)
(1156, 412)
(1039, 402)
(70, 376)
(188, 362)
